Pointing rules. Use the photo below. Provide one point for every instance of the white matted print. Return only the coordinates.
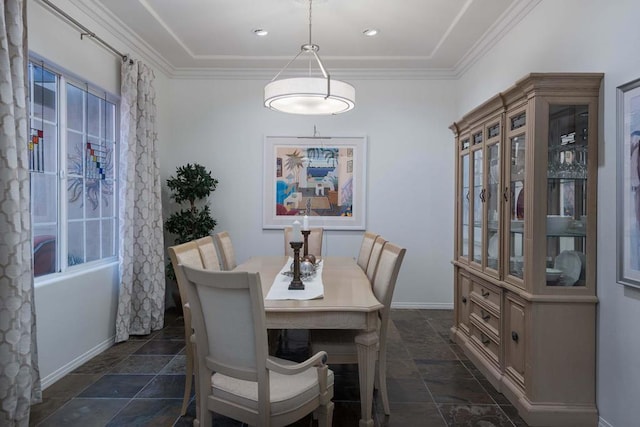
(628, 194)
(322, 177)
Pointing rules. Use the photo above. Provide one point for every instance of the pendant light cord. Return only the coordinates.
(310, 1)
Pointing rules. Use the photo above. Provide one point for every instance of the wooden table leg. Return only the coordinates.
(366, 343)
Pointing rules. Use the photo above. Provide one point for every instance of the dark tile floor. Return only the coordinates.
(140, 383)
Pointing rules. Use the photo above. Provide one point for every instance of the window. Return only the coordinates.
(72, 161)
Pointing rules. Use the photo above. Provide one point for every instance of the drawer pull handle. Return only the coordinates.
(464, 300)
(485, 316)
(485, 339)
(514, 336)
(484, 293)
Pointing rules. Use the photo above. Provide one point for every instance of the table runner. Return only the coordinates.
(313, 287)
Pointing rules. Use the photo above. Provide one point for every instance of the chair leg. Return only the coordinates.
(188, 380)
(382, 381)
(325, 415)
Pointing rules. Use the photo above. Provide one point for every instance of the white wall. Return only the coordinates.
(75, 314)
(221, 124)
(593, 36)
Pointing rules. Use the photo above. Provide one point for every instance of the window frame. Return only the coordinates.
(65, 77)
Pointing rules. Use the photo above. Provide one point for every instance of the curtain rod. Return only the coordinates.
(86, 31)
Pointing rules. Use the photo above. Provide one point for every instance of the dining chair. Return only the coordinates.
(227, 254)
(365, 249)
(339, 344)
(208, 253)
(186, 254)
(376, 250)
(314, 241)
(237, 378)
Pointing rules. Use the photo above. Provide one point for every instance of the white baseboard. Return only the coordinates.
(78, 361)
(423, 306)
(603, 423)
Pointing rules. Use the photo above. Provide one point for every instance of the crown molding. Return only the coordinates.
(126, 36)
(509, 19)
(118, 30)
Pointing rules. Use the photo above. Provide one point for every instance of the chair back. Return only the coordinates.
(314, 241)
(227, 254)
(378, 244)
(365, 249)
(208, 253)
(384, 281)
(228, 317)
(186, 254)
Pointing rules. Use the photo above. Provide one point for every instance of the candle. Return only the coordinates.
(296, 235)
(305, 223)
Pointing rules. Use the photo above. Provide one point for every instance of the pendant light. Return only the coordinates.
(309, 95)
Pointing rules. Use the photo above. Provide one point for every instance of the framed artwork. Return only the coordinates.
(628, 191)
(322, 177)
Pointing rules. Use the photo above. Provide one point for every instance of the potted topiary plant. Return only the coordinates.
(192, 184)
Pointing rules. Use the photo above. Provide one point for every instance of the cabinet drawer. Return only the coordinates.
(485, 317)
(488, 295)
(487, 343)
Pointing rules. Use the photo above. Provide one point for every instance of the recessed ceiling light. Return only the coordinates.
(370, 32)
(260, 32)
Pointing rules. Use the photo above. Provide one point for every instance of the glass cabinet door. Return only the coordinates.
(566, 224)
(478, 194)
(465, 189)
(514, 192)
(492, 198)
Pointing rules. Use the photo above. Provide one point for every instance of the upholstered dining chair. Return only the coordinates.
(227, 254)
(365, 249)
(339, 344)
(237, 378)
(314, 241)
(208, 253)
(186, 254)
(376, 250)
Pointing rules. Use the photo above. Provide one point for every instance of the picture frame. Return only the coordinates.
(315, 176)
(628, 185)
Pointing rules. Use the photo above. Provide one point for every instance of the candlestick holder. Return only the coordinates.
(306, 233)
(296, 283)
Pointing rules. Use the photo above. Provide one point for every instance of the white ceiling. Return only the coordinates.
(438, 37)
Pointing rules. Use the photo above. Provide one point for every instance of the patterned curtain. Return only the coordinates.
(142, 279)
(19, 375)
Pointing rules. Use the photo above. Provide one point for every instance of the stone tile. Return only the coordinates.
(444, 315)
(407, 390)
(401, 368)
(148, 412)
(474, 415)
(431, 351)
(458, 351)
(117, 386)
(164, 386)
(406, 314)
(100, 364)
(346, 414)
(442, 369)
(176, 366)
(346, 388)
(512, 413)
(218, 420)
(85, 413)
(41, 411)
(69, 386)
(141, 364)
(410, 414)
(458, 391)
(412, 332)
(158, 347)
(170, 333)
(397, 351)
(124, 348)
(498, 397)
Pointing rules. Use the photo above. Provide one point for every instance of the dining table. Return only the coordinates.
(347, 302)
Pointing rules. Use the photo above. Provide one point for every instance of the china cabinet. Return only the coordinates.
(525, 244)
